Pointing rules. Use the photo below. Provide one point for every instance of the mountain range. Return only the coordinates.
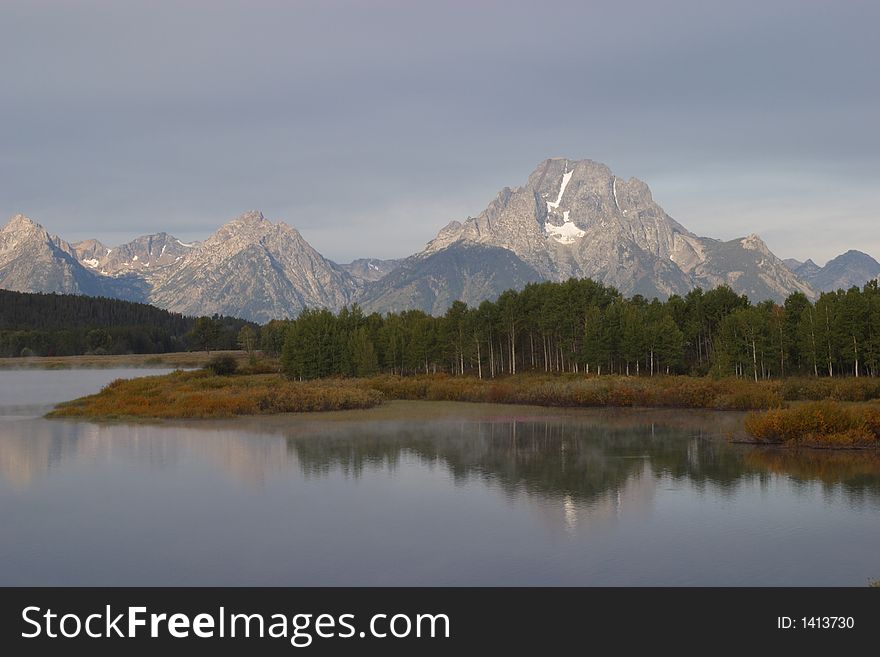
(572, 218)
(840, 273)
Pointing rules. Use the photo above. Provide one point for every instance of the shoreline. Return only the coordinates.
(782, 413)
(187, 359)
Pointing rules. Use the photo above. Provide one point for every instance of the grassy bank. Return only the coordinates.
(201, 394)
(818, 424)
(257, 390)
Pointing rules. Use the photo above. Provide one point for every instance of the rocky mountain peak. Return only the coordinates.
(853, 268)
(576, 218)
(855, 256)
(19, 223)
(254, 268)
(32, 260)
(754, 242)
(242, 230)
(21, 231)
(147, 254)
(251, 218)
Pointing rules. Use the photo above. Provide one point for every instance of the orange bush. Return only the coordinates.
(825, 423)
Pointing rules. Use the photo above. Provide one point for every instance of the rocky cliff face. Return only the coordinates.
(255, 269)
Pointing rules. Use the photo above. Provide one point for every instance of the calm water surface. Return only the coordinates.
(420, 494)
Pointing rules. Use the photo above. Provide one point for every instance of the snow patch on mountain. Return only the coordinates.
(566, 176)
(567, 233)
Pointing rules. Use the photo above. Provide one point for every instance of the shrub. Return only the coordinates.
(222, 365)
(820, 424)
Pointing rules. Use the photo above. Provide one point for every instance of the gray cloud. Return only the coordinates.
(368, 125)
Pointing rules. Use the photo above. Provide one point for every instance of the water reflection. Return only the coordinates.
(430, 494)
(576, 459)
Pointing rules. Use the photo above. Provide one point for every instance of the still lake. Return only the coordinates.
(416, 493)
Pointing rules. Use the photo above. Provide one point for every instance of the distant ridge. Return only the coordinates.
(840, 273)
(571, 218)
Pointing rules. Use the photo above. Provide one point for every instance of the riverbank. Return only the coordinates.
(183, 359)
(200, 394)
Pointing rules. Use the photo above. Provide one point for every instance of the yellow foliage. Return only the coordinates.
(824, 423)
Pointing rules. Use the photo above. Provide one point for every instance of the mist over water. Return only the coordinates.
(422, 493)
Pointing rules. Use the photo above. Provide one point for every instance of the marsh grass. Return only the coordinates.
(258, 389)
(581, 391)
(818, 424)
(201, 394)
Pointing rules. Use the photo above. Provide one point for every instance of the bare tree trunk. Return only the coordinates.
(755, 360)
(512, 349)
(479, 361)
(491, 358)
(856, 354)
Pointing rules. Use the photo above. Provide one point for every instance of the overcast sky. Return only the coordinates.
(370, 124)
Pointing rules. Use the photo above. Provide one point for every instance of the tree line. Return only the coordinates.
(577, 326)
(581, 326)
(34, 324)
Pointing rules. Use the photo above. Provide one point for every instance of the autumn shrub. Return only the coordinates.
(824, 423)
(839, 389)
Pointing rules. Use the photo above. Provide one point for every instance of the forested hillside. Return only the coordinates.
(66, 324)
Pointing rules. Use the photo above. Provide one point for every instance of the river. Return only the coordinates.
(420, 493)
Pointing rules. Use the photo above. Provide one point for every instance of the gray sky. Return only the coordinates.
(369, 124)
